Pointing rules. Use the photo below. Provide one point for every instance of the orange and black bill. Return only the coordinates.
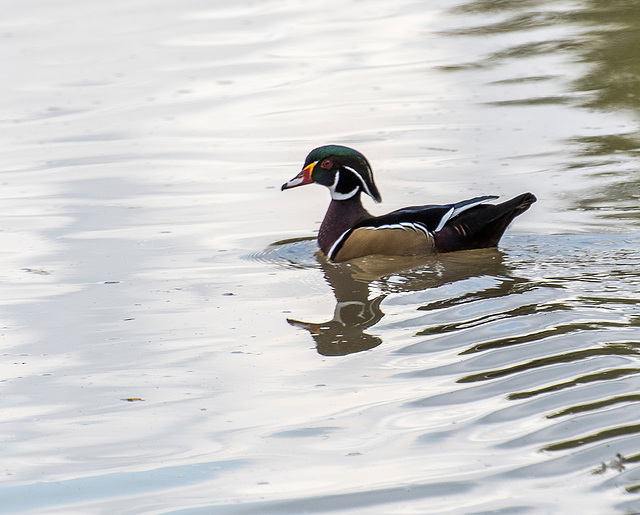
(304, 177)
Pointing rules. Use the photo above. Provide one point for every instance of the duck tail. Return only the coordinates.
(481, 226)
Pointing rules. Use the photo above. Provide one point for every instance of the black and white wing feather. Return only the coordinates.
(407, 231)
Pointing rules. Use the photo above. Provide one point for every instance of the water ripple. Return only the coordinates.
(291, 253)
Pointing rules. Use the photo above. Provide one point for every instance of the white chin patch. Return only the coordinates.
(343, 196)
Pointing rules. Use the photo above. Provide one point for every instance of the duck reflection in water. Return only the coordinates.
(357, 311)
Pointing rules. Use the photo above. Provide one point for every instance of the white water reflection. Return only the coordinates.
(143, 148)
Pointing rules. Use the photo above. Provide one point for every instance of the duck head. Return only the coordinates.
(345, 171)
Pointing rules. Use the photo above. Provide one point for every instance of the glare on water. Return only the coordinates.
(173, 341)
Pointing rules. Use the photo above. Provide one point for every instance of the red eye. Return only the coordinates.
(326, 164)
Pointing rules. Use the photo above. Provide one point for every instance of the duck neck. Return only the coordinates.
(340, 217)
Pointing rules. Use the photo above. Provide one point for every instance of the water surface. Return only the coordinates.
(171, 340)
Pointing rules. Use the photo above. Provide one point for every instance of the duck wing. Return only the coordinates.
(407, 231)
(480, 226)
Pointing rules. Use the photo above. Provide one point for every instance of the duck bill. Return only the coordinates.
(304, 177)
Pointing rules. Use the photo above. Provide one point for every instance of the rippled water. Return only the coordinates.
(173, 343)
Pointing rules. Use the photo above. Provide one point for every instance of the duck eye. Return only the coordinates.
(326, 164)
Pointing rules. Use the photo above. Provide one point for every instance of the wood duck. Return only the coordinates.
(349, 231)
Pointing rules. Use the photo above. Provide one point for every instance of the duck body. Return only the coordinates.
(349, 231)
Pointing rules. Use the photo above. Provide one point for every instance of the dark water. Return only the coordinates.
(171, 340)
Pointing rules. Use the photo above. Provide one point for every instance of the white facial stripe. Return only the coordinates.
(364, 184)
(344, 196)
(335, 182)
(340, 196)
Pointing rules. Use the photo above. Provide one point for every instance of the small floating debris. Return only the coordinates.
(38, 271)
(617, 464)
(132, 399)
